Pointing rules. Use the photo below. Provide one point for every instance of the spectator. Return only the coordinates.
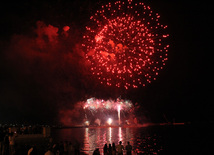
(105, 149)
(113, 149)
(128, 149)
(109, 150)
(120, 148)
(96, 151)
(49, 152)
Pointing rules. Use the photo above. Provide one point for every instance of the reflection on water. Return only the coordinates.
(97, 137)
(143, 141)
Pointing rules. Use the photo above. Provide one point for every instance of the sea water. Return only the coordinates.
(167, 139)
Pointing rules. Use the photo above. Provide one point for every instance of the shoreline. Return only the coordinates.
(123, 126)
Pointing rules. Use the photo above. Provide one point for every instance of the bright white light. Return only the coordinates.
(118, 110)
(87, 123)
(109, 121)
(118, 107)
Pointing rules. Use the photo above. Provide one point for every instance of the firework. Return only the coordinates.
(125, 44)
(106, 109)
(109, 121)
(94, 104)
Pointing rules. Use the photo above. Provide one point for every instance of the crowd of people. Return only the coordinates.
(8, 134)
(7, 143)
(8, 146)
(113, 149)
(62, 148)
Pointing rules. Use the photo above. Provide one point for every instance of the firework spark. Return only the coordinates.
(125, 44)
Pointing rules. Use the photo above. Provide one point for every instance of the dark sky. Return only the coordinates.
(34, 86)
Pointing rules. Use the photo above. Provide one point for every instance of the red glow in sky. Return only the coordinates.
(124, 44)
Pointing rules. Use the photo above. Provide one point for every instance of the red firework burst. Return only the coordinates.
(125, 44)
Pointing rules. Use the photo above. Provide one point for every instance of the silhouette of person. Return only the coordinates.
(105, 149)
(70, 149)
(1, 140)
(109, 150)
(34, 151)
(11, 143)
(120, 148)
(49, 152)
(128, 149)
(30, 150)
(113, 149)
(96, 151)
(77, 148)
(5, 150)
(65, 146)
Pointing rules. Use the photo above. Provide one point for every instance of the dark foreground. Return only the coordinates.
(191, 138)
(166, 139)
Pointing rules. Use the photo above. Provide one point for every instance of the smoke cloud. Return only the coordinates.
(50, 71)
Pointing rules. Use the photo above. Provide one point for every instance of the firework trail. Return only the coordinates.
(125, 44)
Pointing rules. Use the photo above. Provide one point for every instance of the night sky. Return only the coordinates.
(37, 80)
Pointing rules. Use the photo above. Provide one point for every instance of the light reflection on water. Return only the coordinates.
(91, 138)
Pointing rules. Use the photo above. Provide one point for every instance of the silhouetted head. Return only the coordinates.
(120, 142)
(128, 142)
(113, 144)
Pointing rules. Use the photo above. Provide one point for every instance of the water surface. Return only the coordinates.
(184, 139)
